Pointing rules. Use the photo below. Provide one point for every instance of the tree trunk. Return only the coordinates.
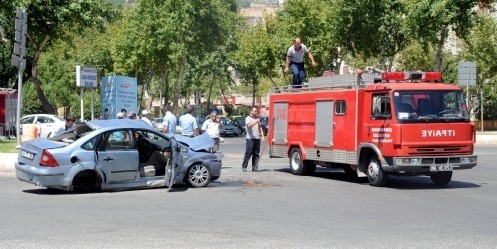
(165, 76)
(438, 58)
(34, 74)
(253, 91)
(179, 85)
(209, 94)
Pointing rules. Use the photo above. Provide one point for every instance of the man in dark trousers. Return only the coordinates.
(253, 140)
(295, 62)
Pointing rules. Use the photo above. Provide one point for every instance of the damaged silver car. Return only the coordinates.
(117, 155)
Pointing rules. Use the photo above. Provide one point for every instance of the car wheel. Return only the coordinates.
(441, 178)
(86, 182)
(376, 176)
(297, 163)
(199, 175)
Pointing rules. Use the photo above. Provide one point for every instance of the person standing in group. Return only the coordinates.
(106, 114)
(125, 113)
(132, 115)
(188, 123)
(212, 126)
(169, 123)
(145, 118)
(63, 127)
(295, 62)
(253, 140)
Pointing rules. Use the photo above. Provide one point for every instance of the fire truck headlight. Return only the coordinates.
(407, 161)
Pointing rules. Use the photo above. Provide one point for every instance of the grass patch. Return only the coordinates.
(8, 146)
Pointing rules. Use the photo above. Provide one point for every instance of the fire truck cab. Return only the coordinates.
(400, 124)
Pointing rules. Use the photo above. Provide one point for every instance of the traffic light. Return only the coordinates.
(21, 27)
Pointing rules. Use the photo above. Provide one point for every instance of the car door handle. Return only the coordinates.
(108, 159)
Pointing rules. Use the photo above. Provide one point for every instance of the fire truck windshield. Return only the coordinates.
(430, 106)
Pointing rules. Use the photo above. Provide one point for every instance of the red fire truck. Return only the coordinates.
(400, 124)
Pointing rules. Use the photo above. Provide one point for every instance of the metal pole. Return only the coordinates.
(92, 107)
(82, 113)
(481, 111)
(19, 105)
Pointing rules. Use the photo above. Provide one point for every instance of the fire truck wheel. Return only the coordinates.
(376, 176)
(297, 163)
(441, 178)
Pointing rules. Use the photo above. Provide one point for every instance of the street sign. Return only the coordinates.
(86, 77)
(466, 75)
(21, 28)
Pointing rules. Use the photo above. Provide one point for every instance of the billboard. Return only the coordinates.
(119, 92)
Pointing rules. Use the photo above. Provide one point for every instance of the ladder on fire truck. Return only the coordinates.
(323, 83)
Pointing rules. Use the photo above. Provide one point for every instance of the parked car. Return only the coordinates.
(116, 155)
(239, 122)
(158, 123)
(200, 122)
(264, 123)
(229, 129)
(47, 122)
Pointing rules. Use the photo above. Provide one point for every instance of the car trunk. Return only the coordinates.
(32, 150)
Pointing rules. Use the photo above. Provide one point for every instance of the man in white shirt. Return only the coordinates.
(169, 123)
(212, 126)
(145, 118)
(188, 123)
(253, 140)
(295, 62)
(63, 127)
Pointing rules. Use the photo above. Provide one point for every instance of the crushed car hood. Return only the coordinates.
(202, 142)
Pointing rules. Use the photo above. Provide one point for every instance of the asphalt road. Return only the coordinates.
(268, 209)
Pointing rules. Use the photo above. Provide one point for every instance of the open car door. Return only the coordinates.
(172, 167)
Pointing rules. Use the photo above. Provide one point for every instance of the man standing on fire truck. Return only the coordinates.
(295, 61)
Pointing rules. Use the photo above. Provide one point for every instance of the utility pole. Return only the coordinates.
(18, 60)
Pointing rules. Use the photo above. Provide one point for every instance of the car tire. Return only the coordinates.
(376, 176)
(441, 178)
(297, 165)
(199, 175)
(86, 182)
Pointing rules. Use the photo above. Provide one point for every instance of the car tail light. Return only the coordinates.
(47, 160)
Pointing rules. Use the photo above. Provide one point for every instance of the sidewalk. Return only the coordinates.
(7, 160)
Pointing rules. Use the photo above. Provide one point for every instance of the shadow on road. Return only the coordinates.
(394, 182)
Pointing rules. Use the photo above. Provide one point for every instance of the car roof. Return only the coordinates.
(117, 123)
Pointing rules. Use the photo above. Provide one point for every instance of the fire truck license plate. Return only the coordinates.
(446, 167)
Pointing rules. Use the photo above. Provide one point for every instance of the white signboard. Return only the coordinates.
(466, 75)
(86, 77)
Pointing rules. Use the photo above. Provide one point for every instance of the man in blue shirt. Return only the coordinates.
(188, 123)
(295, 62)
(169, 123)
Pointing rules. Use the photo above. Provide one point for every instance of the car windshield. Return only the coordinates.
(430, 106)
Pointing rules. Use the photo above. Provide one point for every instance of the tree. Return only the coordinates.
(53, 20)
(256, 56)
(181, 31)
(429, 21)
(371, 28)
(480, 46)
